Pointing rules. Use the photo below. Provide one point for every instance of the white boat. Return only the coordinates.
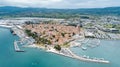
(84, 48)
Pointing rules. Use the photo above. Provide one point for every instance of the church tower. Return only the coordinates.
(78, 28)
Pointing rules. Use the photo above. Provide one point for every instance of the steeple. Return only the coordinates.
(78, 28)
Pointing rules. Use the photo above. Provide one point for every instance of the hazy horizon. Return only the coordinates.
(61, 4)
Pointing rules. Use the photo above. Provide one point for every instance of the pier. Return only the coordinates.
(87, 58)
(5, 25)
(17, 49)
(74, 56)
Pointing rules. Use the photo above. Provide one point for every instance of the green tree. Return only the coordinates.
(57, 47)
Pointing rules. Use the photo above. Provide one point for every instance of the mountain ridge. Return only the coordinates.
(12, 11)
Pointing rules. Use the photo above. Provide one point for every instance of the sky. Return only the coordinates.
(61, 3)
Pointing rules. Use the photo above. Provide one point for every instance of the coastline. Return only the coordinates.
(6, 26)
(74, 56)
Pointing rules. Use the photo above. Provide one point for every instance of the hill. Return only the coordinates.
(9, 11)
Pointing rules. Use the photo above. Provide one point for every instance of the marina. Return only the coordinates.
(93, 43)
(17, 49)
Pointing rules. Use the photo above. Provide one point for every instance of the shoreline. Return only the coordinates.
(5, 26)
(73, 56)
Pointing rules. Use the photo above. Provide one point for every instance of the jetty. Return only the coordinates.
(82, 58)
(17, 49)
(87, 58)
(5, 25)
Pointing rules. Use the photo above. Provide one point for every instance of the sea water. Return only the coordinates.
(39, 58)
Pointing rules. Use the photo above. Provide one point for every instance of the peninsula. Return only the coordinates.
(57, 38)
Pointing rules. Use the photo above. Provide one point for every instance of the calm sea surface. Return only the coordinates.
(110, 50)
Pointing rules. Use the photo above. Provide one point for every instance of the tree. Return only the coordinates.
(63, 34)
(32, 34)
(57, 47)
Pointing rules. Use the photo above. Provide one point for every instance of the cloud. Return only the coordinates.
(28, 3)
(61, 3)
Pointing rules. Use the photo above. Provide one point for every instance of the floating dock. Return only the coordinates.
(17, 49)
